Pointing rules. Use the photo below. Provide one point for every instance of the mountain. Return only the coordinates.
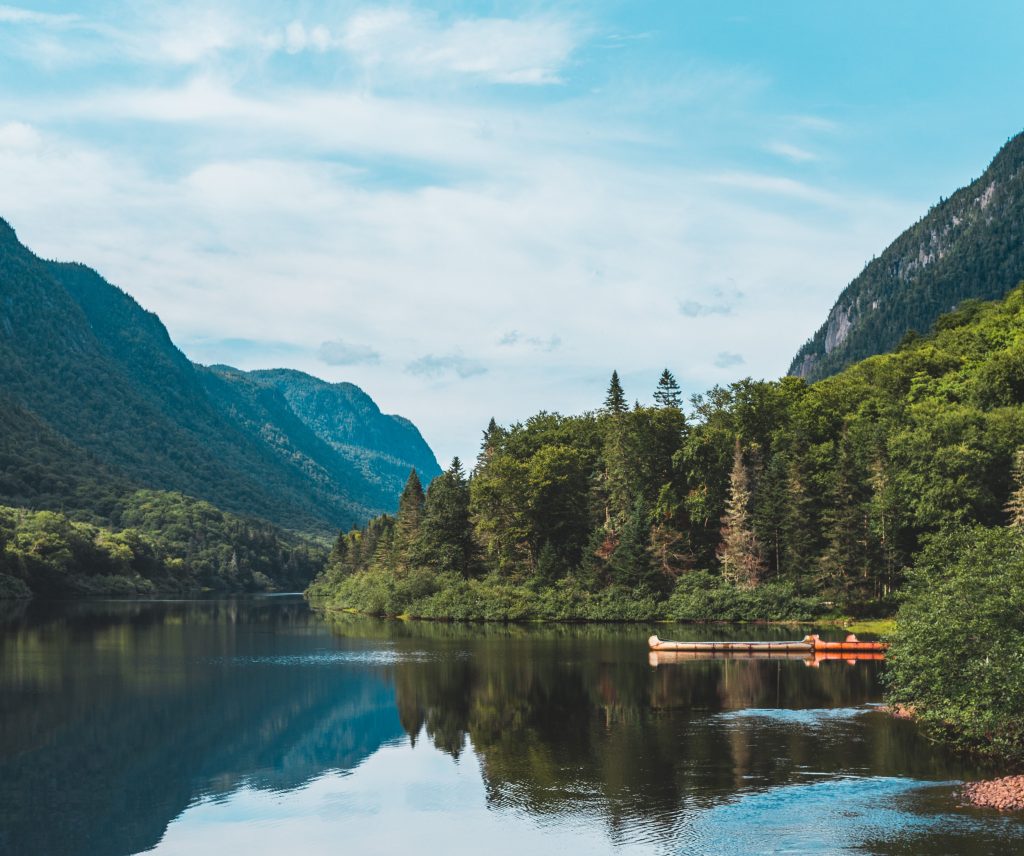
(968, 246)
(381, 447)
(96, 399)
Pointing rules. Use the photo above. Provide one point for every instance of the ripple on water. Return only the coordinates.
(848, 815)
(375, 657)
(814, 717)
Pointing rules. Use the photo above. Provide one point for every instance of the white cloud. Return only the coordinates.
(720, 301)
(816, 123)
(339, 353)
(728, 360)
(453, 233)
(514, 338)
(294, 250)
(18, 15)
(18, 135)
(498, 50)
(434, 366)
(791, 152)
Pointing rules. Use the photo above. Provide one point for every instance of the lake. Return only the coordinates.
(257, 726)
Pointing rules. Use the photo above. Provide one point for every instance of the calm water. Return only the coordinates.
(255, 726)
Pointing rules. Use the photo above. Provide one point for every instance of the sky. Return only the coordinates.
(477, 209)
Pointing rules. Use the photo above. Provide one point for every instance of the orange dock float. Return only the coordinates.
(810, 644)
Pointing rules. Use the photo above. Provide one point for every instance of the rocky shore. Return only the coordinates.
(1006, 794)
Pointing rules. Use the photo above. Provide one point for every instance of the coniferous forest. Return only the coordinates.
(763, 499)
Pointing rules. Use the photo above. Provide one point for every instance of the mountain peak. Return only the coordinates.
(968, 246)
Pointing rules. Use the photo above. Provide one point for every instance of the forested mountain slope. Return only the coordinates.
(968, 246)
(321, 422)
(97, 394)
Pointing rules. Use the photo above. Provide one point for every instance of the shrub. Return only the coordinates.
(701, 596)
(956, 658)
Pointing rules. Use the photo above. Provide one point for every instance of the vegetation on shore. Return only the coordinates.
(770, 500)
(957, 660)
(167, 543)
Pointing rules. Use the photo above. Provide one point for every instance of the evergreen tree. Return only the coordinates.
(410, 507)
(491, 439)
(668, 393)
(630, 565)
(802, 529)
(770, 508)
(446, 533)
(739, 552)
(849, 558)
(1015, 504)
(615, 400)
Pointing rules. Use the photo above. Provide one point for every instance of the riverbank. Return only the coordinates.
(424, 594)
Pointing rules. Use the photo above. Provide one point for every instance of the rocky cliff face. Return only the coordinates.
(968, 246)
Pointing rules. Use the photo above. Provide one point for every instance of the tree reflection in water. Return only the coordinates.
(118, 718)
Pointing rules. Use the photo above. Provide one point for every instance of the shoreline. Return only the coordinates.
(873, 626)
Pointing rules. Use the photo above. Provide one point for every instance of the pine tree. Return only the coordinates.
(848, 559)
(1015, 504)
(488, 446)
(446, 533)
(630, 565)
(615, 400)
(410, 509)
(668, 393)
(739, 551)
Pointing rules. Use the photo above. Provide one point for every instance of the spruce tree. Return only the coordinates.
(739, 551)
(446, 533)
(492, 436)
(848, 559)
(410, 508)
(615, 400)
(668, 393)
(1015, 504)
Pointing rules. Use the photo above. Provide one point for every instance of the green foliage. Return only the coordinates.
(702, 596)
(668, 393)
(445, 537)
(615, 400)
(169, 543)
(956, 658)
(792, 497)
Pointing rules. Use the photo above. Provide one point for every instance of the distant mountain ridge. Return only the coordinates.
(97, 394)
(970, 246)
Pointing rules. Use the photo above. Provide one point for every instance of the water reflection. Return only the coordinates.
(256, 725)
(115, 717)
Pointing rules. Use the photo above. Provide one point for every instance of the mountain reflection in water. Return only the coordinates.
(257, 725)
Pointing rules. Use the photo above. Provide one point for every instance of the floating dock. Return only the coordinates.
(810, 644)
(808, 658)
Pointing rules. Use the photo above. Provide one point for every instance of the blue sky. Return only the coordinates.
(477, 209)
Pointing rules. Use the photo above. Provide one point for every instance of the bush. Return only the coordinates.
(956, 659)
(701, 596)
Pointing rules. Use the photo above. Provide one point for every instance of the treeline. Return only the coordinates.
(166, 543)
(766, 499)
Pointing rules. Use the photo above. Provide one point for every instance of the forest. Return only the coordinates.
(761, 500)
(167, 543)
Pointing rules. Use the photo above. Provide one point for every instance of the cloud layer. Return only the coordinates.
(453, 189)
